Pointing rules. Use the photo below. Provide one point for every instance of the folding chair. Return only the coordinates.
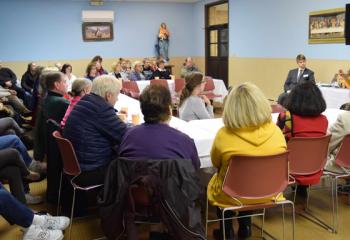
(209, 89)
(131, 89)
(72, 169)
(250, 177)
(308, 157)
(342, 159)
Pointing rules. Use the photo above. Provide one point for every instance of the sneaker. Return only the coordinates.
(39, 167)
(54, 223)
(33, 199)
(38, 233)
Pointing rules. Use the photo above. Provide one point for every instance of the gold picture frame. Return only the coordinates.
(327, 26)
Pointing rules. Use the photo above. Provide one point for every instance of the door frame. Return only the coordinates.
(207, 28)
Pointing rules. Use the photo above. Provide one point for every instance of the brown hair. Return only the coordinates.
(97, 58)
(192, 81)
(51, 78)
(160, 62)
(301, 57)
(155, 103)
(89, 67)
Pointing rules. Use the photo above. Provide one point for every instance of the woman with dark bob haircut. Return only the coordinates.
(304, 118)
(167, 142)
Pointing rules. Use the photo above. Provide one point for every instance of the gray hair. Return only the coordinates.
(79, 84)
(106, 84)
(136, 63)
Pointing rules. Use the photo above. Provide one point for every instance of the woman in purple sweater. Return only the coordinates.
(155, 139)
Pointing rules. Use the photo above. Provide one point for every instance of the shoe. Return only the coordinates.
(39, 167)
(32, 176)
(344, 189)
(33, 199)
(38, 233)
(244, 232)
(27, 141)
(52, 222)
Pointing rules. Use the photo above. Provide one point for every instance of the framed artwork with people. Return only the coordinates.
(97, 31)
(327, 26)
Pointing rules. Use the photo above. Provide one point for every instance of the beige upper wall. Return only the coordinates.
(79, 66)
(270, 73)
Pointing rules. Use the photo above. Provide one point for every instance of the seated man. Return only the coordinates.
(296, 76)
(35, 226)
(342, 79)
(95, 130)
(8, 80)
(136, 73)
(188, 67)
(54, 107)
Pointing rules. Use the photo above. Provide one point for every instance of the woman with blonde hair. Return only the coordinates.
(192, 105)
(80, 87)
(248, 130)
(116, 70)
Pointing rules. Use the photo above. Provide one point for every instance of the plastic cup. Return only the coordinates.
(135, 119)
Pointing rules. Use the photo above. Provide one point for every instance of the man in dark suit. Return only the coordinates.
(296, 76)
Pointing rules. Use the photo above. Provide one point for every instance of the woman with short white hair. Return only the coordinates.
(136, 73)
(95, 131)
(248, 130)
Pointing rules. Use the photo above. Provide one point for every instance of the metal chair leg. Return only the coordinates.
(333, 205)
(223, 224)
(59, 197)
(283, 221)
(72, 215)
(307, 196)
(293, 213)
(295, 192)
(336, 204)
(206, 220)
(262, 224)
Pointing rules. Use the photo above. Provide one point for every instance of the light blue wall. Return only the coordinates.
(51, 29)
(279, 29)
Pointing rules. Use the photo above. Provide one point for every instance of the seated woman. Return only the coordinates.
(91, 71)
(116, 70)
(80, 87)
(28, 78)
(44, 227)
(192, 105)
(161, 72)
(98, 61)
(248, 130)
(304, 118)
(339, 129)
(69, 76)
(95, 131)
(167, 142)
(136, 73)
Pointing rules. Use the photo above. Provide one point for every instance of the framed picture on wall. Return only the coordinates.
(327, 26)
(97, 31)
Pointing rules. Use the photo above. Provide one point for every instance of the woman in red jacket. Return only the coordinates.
(304, 118)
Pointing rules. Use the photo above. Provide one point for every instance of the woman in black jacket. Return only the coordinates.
(29, 77)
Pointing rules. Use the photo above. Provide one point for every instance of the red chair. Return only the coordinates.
(179, 85)
(277, 108)
(131, 89)
(162, 82)
(342, 159)
(251, 177)
(71, 169)
(307, 158)
(209, 89)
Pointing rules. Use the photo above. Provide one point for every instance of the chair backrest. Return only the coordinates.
(209, 86)
(308, 155)
(179, 84)
(130, 86)
(160, 82)
(256, 177)
(277, 108)
(343, 156)
(70, 162)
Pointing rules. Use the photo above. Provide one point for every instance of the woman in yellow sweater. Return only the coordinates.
(248, 130)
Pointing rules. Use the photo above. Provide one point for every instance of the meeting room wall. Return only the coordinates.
(266, 36)
(51, 31)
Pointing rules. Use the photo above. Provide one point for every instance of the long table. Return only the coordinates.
(201, 131)
(335, 97)
(220, 88)
(213, 125)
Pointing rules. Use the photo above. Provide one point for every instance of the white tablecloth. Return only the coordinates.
(335, 97)
(202, 139)
(220, 88)
(213, 125)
